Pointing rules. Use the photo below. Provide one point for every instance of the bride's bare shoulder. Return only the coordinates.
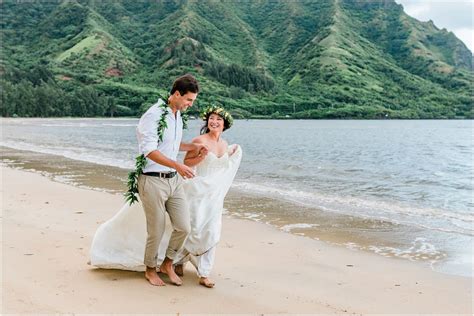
(199, 139)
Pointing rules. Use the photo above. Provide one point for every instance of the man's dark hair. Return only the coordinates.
(185, 84)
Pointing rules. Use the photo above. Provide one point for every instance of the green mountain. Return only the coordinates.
(299, 59)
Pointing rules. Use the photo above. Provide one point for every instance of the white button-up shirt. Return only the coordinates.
(147, 136)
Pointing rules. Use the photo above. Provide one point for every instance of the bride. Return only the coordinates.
(119, 243)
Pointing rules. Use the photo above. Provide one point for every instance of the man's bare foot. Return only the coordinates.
(179, 269)
(153, 278)
(167, 268)
(206, 282)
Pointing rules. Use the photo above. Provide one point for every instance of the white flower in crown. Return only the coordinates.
(219, 111)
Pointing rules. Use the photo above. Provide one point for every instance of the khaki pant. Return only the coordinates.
(160, 195)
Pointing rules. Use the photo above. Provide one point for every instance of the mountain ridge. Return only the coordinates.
(299, 59)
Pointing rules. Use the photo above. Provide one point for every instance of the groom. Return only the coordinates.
(159, 187)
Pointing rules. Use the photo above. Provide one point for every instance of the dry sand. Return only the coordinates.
(47, 228)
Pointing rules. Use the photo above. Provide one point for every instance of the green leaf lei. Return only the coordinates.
(140, 161)
(184, 118)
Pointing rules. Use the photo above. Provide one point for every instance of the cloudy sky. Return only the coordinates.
(454, 15)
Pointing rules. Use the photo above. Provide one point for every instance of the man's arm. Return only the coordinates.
(183, 170)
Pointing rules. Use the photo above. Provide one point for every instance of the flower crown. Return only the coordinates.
(219, 111)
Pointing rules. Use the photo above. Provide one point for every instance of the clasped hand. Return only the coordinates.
(203, 151)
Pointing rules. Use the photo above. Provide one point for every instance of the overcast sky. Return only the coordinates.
(454, 15)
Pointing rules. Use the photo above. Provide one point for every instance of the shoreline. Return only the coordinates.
(246, 119)
(48, 227)
(337, 230)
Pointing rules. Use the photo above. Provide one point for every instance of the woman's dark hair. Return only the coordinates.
(185, 84)
(205, 129)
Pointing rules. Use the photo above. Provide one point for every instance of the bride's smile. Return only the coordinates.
(216, 123)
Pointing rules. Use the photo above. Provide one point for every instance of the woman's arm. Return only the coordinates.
(190, 146)
(232, 149)
(195, 156)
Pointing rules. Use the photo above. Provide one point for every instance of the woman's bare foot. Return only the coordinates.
(206, 282)
(153, 278)
(179, 269)
(167, 268)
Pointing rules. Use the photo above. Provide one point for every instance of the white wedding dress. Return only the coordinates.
(119, 243)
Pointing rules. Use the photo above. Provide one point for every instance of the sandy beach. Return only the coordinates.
(48, 227)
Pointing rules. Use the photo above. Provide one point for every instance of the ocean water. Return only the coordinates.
(397, 188)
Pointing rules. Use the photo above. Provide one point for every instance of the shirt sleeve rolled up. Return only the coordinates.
(147, 131)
